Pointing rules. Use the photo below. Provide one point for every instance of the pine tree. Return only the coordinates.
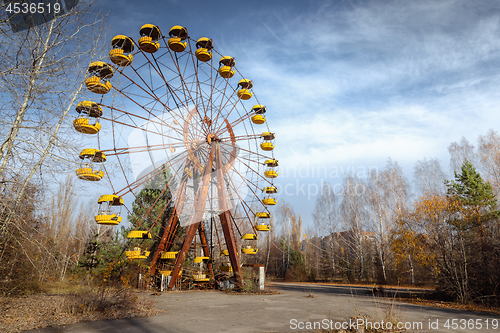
(470, 269)
(152, 208)
(473, 197)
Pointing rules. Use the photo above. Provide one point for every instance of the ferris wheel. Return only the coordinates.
(173, 104)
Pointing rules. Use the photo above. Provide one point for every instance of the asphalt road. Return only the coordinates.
(297, 308)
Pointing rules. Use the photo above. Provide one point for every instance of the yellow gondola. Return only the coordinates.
(249, 237)
(177, 35)
(245, 93)
(149, 38)
(200, 276)
(137, 253)
(87, 110)
(99, 75)
(226, 65)
(87, 170)
(248, 241)
(134, 253)
(259, 109)
(204, 48)
(107, 213)
(270, 191)
(226, 268)
(262, 227)
(139, 234)
(199, 260)
(269, 201)
(169, 272)
(267, 141)
(224, 253)
(263, 215)
(270, 174)
(121, 53)
(249, 250)
(169, 255)
(258, 119)
(262, 221)
(271, 170)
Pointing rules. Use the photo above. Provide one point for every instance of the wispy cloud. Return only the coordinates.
(376, 79)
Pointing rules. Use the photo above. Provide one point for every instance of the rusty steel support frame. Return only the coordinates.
(165, 241)
(204, 245)
(167, 238)
(225, 219)
(194, 220)
(170, 239)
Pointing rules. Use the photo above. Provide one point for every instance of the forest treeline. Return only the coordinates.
(435, 230)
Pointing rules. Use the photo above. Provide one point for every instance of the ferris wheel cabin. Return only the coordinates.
(87, 110)
(204, 48)
(244, 93)
(120, 54)
(109, 209)
(262, 223)
(226, 65)
(149, 38)
(90, 164)
(177, 35)
(98, 78)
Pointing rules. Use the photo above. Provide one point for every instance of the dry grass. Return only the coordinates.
(102, 300)
(86, 304)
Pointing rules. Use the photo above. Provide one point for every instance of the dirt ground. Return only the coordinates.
(46, 310)
(290, 309)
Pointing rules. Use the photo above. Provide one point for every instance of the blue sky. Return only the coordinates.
(348, 84)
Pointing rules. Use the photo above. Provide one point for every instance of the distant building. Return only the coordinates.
(346, 238)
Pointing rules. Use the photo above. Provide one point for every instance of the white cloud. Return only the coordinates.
(385, 78)
(343, 136)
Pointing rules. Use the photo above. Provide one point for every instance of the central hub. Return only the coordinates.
(211, 137)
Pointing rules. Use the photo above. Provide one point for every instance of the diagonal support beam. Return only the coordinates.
(169, 229)
(204, 245)
(194, 220)
(169, 233)
(225, 218)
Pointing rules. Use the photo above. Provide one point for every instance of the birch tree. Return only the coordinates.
(354, 216)
(489, 158)
(429, 177)
(326, 217)
(39, 86)
(42, 70)
(460, 152)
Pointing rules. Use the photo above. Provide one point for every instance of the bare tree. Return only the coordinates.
(326, 217)
(459, 152)
(38, 89)
(489, 158)
(67, 227)
(388, 198)
(354, 216)
(42, 69)
(429, 177)
(380, 215)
